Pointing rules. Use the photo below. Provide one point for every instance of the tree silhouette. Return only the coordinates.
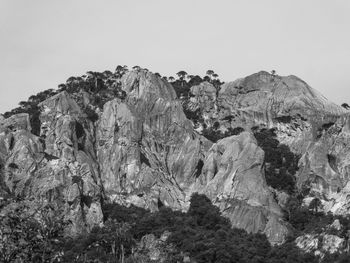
(181, 74)
(315, 204)
(210, 72)
(345, 106)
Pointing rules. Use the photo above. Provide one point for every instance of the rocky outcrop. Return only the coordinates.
(324, 168)
(287, 104)
(233, 178)
(204, 99)
(320, 244)
(265, 97)
(142, 150)
(304, 120)
(56, 167)
(16, 122)
(149, 154)
(147, 148)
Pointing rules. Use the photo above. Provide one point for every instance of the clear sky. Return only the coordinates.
(43, 42)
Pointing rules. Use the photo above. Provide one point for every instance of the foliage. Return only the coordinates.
(315, 204)
(109, 243)
(206, 235)
(201, 232)
(345, 106)
(28, 232)
(280, 163)
(214, 134)
(308, 220)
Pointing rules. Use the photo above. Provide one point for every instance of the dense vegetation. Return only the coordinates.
(99, 87)
(202, 233)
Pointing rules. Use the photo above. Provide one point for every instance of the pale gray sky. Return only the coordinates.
(43, 42)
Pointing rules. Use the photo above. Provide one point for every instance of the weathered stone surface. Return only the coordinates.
(144, 151)
(302, 118)
(149, 153)
(57, 166)
(233, 178)
(146, 147)
(69, 145)
(264, 97)
(285, 103)
(204, 98)
(16, 122)
(325, 166)
(319, 244)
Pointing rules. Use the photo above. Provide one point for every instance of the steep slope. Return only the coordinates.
(56, 167)
(125, 137)
(263, 96)
(146, 147)
(233, 178)
(141, 150)
(264, 100)
(324, 169)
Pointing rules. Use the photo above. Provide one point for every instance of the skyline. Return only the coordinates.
(46, 42)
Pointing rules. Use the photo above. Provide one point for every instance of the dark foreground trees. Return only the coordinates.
(201, 233)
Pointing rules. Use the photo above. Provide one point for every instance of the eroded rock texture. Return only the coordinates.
(59, 166)
(304, 120)
(233, 178)
(147, 148)
(142, 149)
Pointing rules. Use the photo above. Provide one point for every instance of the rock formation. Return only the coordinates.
(143, 150)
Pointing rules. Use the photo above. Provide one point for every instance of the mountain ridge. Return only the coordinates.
(133, 138)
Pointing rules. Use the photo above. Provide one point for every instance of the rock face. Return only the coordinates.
(234, 180)
(265, 97)
(303, 119)
(150, 154)
(324, 168)
(142, 150)
(321, 244)
(205, 99)
(147, 149)
(58, 165)
(286, 103)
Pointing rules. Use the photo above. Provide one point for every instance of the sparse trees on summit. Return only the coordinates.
(210, 72)
(345, 106)
(181, 74)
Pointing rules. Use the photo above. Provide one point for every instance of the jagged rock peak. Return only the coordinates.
(61, 103)
(141, 84)
(16, 122)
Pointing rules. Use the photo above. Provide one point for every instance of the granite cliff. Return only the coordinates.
(126, 137)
